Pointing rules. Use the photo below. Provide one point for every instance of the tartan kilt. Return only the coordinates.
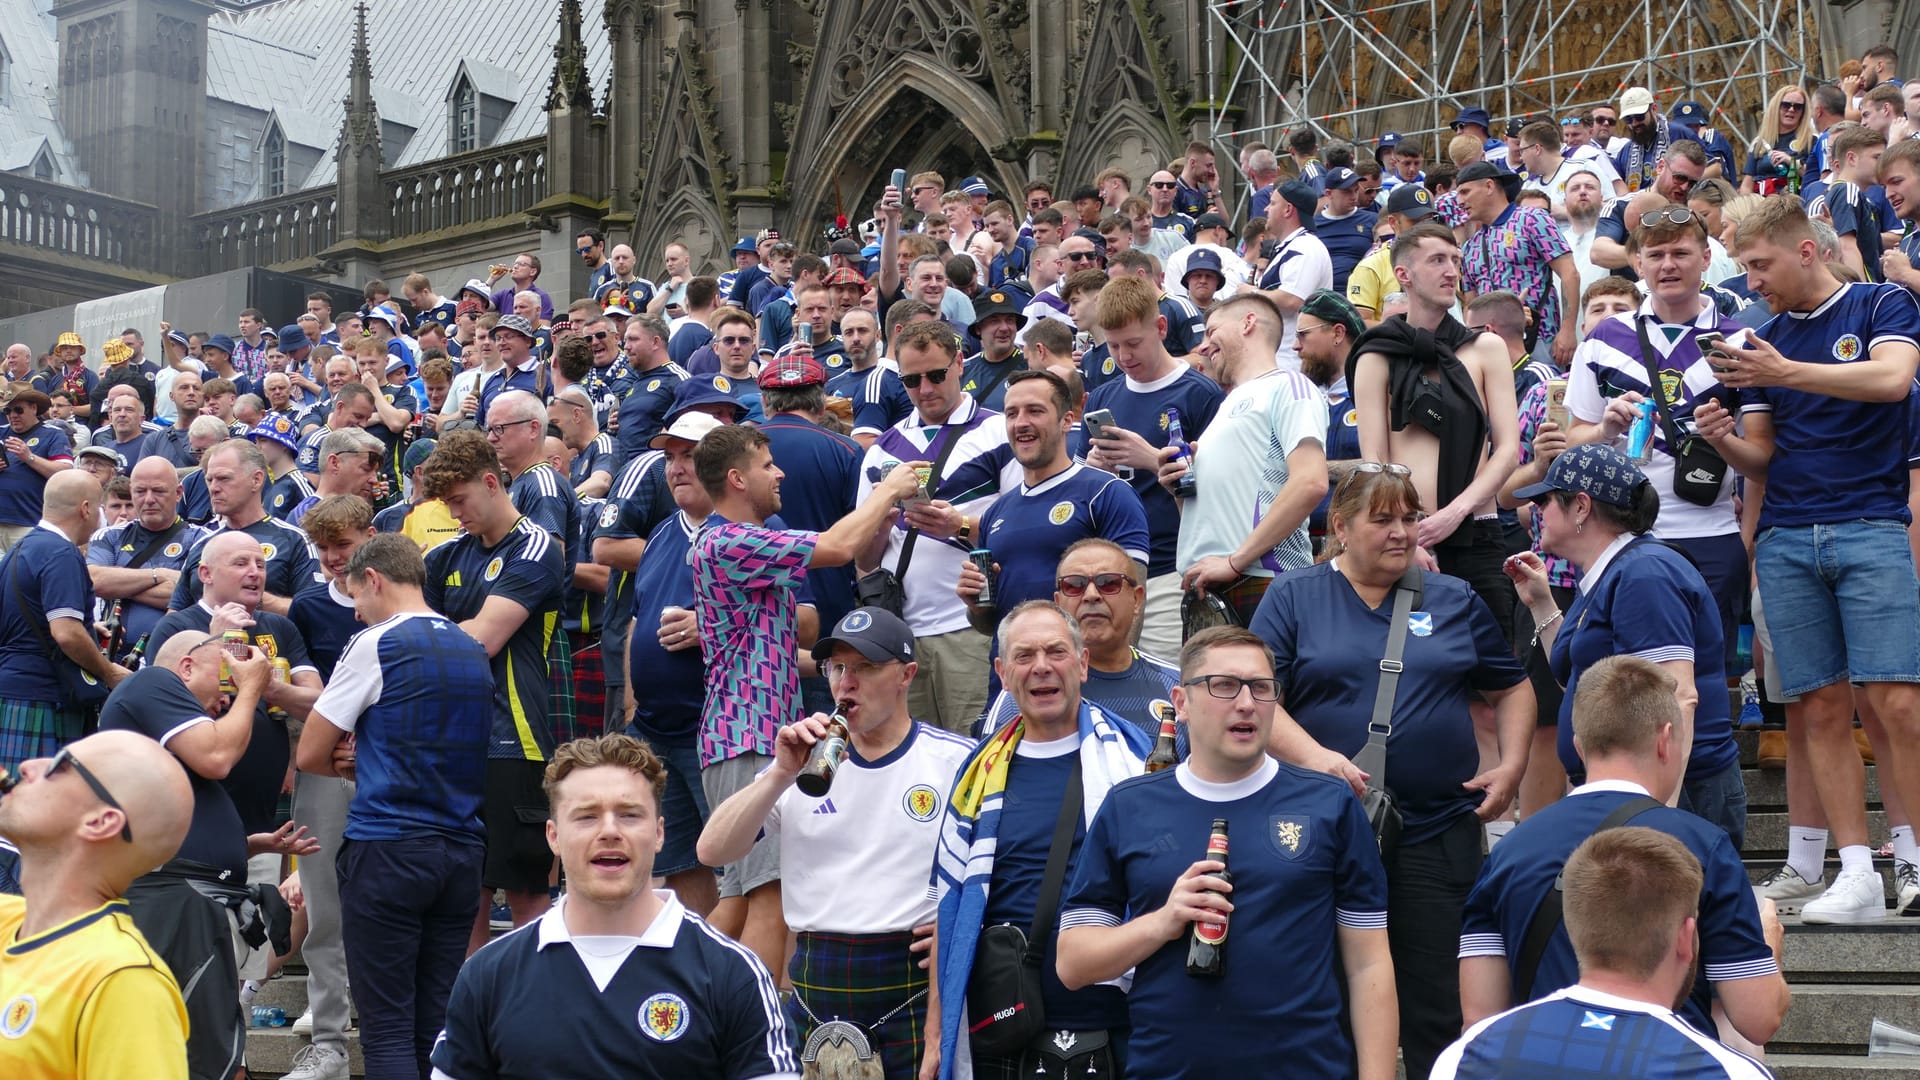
(860, 978)
(589, 690)
(560, 688)
(35, 729)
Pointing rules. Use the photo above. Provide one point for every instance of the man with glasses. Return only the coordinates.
(1162, 188)
(135, 566)
(237, 761)
(867, 843)
(592, 472)
(1604, 122)
(350, 461)
(1683, 165)
(34, 451)
(923, 194)
(1099, 584)
(522, 273)
(87, 996)
(655, 378)
(1307, 876)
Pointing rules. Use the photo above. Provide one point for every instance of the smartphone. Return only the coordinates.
(1557, 403)
(900, 185)
(1096, 423)
(1710, 342)
(803, 334)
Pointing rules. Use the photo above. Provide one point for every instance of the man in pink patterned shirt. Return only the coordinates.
(746, 582)
(1519, 248)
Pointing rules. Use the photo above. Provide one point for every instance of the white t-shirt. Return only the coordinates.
(1233, 268)
(1594, 159)
(857, 860)
(1240, 465)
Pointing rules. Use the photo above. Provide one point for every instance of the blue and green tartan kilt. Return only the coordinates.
(860, 978)
(35, 729)
(560, 708)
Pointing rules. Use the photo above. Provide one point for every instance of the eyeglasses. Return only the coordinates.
(736, 340)
(1163, 185)
(1372, 468)
(65, 759)
(600, 335)
(497, 430)
(912, 382)
(1675, 215)
(837, 670)
(1796, 106)
(1228, 687)
(1076, 584)
(1303, 329)
(1082, 256)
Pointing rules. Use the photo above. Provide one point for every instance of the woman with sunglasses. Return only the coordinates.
(1328, 627)
(1637, 597)
(1778, 158)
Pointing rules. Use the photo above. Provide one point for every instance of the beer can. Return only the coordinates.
(1557, 403)
(982, 559)
(282, 670)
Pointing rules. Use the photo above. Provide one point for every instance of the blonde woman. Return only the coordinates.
(1785, 136)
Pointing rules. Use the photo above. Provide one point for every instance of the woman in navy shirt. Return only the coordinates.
(1327, 626)
(1636, 597)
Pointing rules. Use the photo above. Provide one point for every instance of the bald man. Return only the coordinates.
(173, 701)
(136, 565)
(19, 363)
(47, 606)
(85, 995)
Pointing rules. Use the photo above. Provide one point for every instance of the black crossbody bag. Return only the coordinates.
(1548, 916)
(1698, 469)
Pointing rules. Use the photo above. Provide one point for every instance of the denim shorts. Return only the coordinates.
(683, 803)
(1840, 599)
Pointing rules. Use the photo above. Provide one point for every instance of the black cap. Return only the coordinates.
(1211, 221)
(1411, 200)
(1487, 170)
(875, 633)
(845, 246)
(1000, 301)
(1301, 196)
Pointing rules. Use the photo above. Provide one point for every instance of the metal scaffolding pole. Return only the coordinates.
(1352, 70)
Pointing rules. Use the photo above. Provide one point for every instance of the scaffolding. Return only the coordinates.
(1352, 71)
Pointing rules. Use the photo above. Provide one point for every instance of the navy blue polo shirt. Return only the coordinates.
(545, 497)
(1011, 265)
(643, 412)
(154, 702)
(822, 485)
(324, 616)
(1036, 786)
(1190, 201)
(685, 1002)
(526, 567)
(669, 710)
(196, 504)
(1029, 527)
(979, 372)
(743, 283)
(1327, 647)
(129, 450)
(1304, 863)
(595, 457)
(290, 488)
(582, 610)
(1817, 437)
(171, 444)
(1855, 213)
(1584, 1034)
(254, 781)
(692, 335)
(1522, 867)
(291, 563)
(504, 379)
(1098, 367)
(879, 398)
(415, 691)
(1186, 327)
(638, 501)
(116, 545)
(1147, 410)
(21, 489)
(1348, 239)
(1650, 602)
(48, 574)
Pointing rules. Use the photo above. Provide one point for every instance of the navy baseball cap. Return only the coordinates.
(705, 390)
(1603, 473)
(1301, 196)
(1691, 112)
(873, 632)
(1340, 178)
(1412, 200)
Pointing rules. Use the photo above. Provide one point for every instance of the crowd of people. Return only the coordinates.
(988, 646)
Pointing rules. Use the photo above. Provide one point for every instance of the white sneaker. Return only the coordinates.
(1856, 897)
(1788, 890)
(1906, 884)
(304, 1025)
(318, 1063)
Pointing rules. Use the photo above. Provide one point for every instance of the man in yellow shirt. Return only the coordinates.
(425, 521)
(82, 995)
(1372, 280)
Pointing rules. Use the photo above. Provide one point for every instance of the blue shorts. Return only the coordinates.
(683, 803)
(1842, 601)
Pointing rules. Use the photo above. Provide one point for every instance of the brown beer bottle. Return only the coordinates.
(1207, 944)
(1163, 756)
(815, 780)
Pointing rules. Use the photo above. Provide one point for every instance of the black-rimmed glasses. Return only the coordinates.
(497, 430)
(1228, 687)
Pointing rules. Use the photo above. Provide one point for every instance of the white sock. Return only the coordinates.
(1856, 858)
(1905, 848)
(248, 989)
(1807, 852)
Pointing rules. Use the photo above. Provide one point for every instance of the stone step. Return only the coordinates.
(1767, 788)
(1839, 1066)
(270, 1052)
(1885, 953)
(1767, 833)
(1829, 1019)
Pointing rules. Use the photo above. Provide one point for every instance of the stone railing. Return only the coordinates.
(283, 229)
(71, 221)
(468, 188)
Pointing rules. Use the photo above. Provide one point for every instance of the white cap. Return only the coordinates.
(1637, 100)
(692, 426)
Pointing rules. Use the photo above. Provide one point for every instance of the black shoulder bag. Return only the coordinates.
(1004, 1004)
(116, 611)
(884, 588)
(81, 691)
(1547, 917)
(1382, 812)
(1698, 469)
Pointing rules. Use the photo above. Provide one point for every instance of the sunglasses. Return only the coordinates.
(1082, 256)
(1603, 119)
(600, 335)
(736, 340)
(1038, 204)
(65, 760)
(1676, 215)
(1162, 185)
(582, 251)
(1796, 106)
(1372, 468)
(912, 382)
(1076, 584)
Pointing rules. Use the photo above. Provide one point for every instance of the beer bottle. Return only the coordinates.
(1207, 944)
(8, 781)
(1163, 756)
(828, 753)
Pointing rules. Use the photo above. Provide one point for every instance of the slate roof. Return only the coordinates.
(28, 113)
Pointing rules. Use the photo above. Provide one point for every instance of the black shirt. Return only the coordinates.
(154, 702)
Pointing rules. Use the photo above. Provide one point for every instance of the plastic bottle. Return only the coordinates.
(270, 1016)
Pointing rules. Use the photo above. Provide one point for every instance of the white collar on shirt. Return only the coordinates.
(1623, 787)
(1592, 573)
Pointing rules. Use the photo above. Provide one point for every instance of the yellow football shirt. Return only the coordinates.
(1371, 282)
(88, 999)
(430, 525)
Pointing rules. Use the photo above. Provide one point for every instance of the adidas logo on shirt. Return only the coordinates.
(826, 807)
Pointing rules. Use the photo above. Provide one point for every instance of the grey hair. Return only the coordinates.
(207, 426)
(350, 440)
(1825, 240)
(1073, 624)
(520, 405)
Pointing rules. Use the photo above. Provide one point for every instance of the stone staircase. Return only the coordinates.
(1842, 976)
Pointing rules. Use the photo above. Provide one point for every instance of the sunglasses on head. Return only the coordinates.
(912, 382)
(1372, 468)
(1676, 215)
(65, 760)
(1076, 584)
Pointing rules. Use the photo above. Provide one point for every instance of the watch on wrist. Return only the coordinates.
(965, 531)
